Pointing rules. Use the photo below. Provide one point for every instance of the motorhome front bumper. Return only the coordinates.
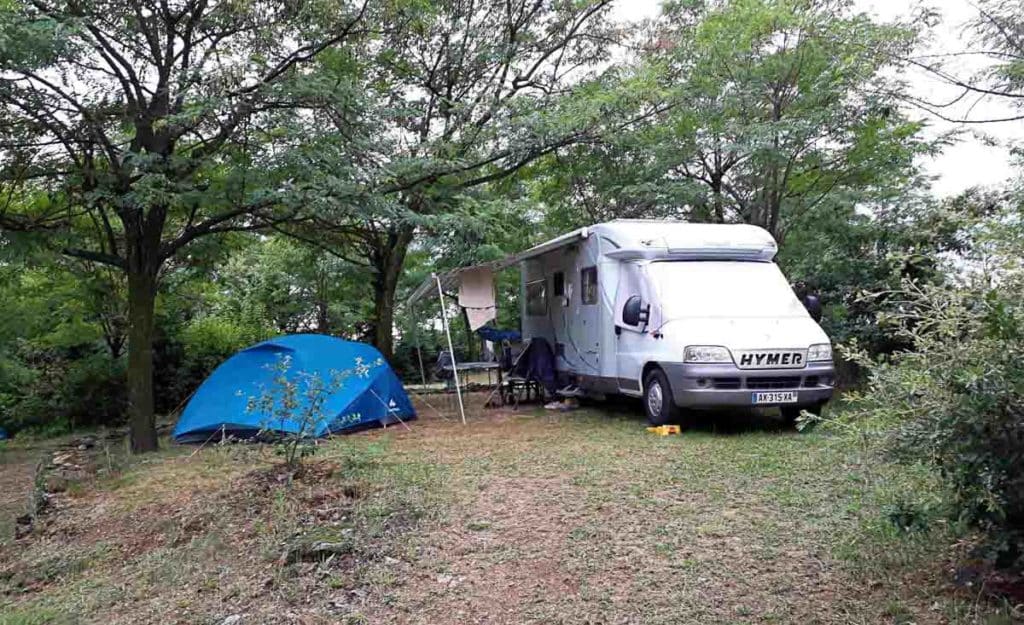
(726, 385)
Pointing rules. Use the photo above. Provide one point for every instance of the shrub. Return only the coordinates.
(52, 390)
(295, 401)
(956, 400)
(209, 341)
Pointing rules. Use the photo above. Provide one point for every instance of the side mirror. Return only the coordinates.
(632, 311)
(813, 305)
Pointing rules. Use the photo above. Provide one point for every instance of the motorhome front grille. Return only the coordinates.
(725, 383)
(774, 382)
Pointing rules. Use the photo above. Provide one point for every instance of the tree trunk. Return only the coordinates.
(470, 342)
(716, 194)
(323, 324)
(141, 305)
(384, 316)
(323, 320)
(388, 260)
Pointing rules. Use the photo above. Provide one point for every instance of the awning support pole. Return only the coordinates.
(451, 348)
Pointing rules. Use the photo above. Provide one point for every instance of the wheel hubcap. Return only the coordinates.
(654, 398)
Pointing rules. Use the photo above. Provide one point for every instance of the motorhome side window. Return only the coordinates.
(588, 285)
(558, 284)
(536, 299)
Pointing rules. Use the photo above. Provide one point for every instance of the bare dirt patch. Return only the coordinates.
(17, 472)
(496, 556)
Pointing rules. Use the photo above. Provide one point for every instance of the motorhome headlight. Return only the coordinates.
(819, 352)
(706, 353)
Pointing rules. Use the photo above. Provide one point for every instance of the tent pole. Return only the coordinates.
(451, 348)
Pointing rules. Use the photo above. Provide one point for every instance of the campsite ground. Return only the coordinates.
(521, 517)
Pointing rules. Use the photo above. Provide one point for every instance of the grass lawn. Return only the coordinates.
(520, 517)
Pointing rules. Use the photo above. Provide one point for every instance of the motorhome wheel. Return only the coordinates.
(658, 402)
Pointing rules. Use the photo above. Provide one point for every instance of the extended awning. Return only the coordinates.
(451, 280)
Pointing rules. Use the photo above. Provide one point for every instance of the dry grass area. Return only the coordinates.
(520, 517)
(17, 471)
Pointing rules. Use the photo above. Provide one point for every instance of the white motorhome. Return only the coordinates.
(682, 315)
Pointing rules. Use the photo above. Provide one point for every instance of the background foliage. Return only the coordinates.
(955, 399)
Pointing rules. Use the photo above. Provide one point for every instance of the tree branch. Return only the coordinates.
(96, 257)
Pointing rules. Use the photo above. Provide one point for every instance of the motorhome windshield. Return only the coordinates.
(723, 289)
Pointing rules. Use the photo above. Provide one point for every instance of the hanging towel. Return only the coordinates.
(476, 295)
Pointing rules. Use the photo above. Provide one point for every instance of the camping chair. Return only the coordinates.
(507, 358)
(443, 369)
(517, 387)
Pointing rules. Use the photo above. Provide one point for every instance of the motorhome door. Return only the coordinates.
(631, 342)
(585, 332)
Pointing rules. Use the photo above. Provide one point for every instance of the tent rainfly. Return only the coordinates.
(369, 394)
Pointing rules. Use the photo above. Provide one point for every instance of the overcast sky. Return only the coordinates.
(971, 161)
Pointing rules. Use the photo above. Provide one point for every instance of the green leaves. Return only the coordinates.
(755, 111)
(954, 398)
(27, 39)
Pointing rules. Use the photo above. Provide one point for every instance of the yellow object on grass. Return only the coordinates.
(665, 430)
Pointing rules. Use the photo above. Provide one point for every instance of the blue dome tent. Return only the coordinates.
(369, 393)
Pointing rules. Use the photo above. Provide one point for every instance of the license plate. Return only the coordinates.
(774, 397)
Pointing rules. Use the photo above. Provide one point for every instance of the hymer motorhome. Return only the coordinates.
(682, 315)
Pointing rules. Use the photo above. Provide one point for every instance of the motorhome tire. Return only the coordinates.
(659, 404)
